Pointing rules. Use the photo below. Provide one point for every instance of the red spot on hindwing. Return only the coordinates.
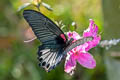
(63, 36)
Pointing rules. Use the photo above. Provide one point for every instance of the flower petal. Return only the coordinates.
(86, 60)
(73, 35)
(92, 31)
(70, 63)
(69, 34)
(82, 48)
(93, 43)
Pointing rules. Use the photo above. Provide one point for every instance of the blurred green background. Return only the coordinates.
(18, 60)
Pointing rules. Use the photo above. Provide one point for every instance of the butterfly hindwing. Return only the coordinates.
(53, 39)
(49, 58)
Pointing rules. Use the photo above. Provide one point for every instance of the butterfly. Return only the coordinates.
(55, 44)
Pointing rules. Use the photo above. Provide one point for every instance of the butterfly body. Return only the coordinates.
(55, 44)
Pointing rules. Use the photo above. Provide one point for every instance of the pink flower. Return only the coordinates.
(79, 54)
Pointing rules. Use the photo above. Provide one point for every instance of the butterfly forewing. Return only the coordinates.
(43, 27)
(52, 38)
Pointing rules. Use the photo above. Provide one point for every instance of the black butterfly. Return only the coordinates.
(55, 44)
